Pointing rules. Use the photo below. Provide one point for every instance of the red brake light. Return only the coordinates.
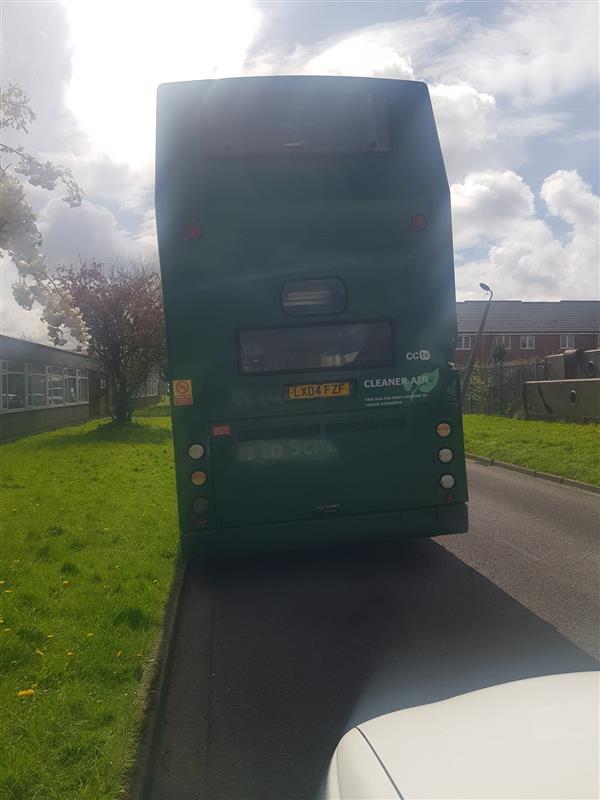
(418, 222)
(193, 231)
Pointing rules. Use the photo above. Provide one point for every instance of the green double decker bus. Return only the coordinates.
(306, 254)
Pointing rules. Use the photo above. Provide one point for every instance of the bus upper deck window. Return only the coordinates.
(314, 296)
(298, 122)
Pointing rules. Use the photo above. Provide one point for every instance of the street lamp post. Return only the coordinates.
(473, 355)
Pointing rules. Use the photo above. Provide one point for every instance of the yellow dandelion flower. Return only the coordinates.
(70, 653)
(65, 583)
(8, 591)
(26, 693)
(155, 580)
(40, 653)
(1, 621)
(2, 583)
(50, 636)
(6, 630)
(119, 653)
(88, 635)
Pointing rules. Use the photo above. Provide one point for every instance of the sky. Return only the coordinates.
(514, 87)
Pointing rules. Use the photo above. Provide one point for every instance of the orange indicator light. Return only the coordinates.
(199, 477)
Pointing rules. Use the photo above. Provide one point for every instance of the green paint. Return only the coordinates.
(267, 219)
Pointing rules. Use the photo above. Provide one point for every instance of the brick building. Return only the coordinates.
(527, 330)
(46, 387)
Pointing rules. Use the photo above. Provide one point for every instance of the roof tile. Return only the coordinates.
(518, 316)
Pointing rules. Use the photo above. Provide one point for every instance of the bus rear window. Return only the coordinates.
(316, 347)
(323, 122)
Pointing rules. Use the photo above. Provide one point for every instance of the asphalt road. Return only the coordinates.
(276, 658)
(540, 542)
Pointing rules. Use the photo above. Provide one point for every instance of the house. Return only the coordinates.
(46, 387)
(527, 330)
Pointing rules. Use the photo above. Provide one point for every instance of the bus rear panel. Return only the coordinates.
(306, 255)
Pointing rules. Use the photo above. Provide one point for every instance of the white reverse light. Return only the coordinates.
(196, 451)
(447, 481)
(445, 455)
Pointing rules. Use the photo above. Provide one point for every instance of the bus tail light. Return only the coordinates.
(200, 505)
(447, 481)
(443, 429)
(445, 455)
(418, 222)
(194, 231)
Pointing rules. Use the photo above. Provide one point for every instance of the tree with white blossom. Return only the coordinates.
(20, 238)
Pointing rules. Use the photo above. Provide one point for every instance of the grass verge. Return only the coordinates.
(162, 409)
(88, 547)
(560, 448)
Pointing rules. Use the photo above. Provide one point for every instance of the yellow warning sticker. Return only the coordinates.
(182, 392)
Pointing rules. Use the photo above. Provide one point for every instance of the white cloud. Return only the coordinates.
(146, 236)
(361, 55)
(90, 231)
(536, 52)
(17, 321)
(121, 52)
(383, 50)
(486, 205)
(433, 6)
(467, 121)
(101, 176)
(524, 125)
(572, 200)
(496, 211)
(476, 133)
(568, 197)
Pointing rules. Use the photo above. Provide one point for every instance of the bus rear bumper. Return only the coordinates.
(327, 531)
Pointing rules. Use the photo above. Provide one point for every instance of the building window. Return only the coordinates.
(26, 386)
(463, 343)
(36, 386)
(527, 342)
(567, 341)
(83, 392)
(71, 386)
(13, 385)
(152, 386)
(56, 386)
(502, 341)
(149, 388)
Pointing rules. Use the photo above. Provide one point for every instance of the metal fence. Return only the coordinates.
(499, 388)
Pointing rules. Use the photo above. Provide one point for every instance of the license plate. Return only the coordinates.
(318, 391)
